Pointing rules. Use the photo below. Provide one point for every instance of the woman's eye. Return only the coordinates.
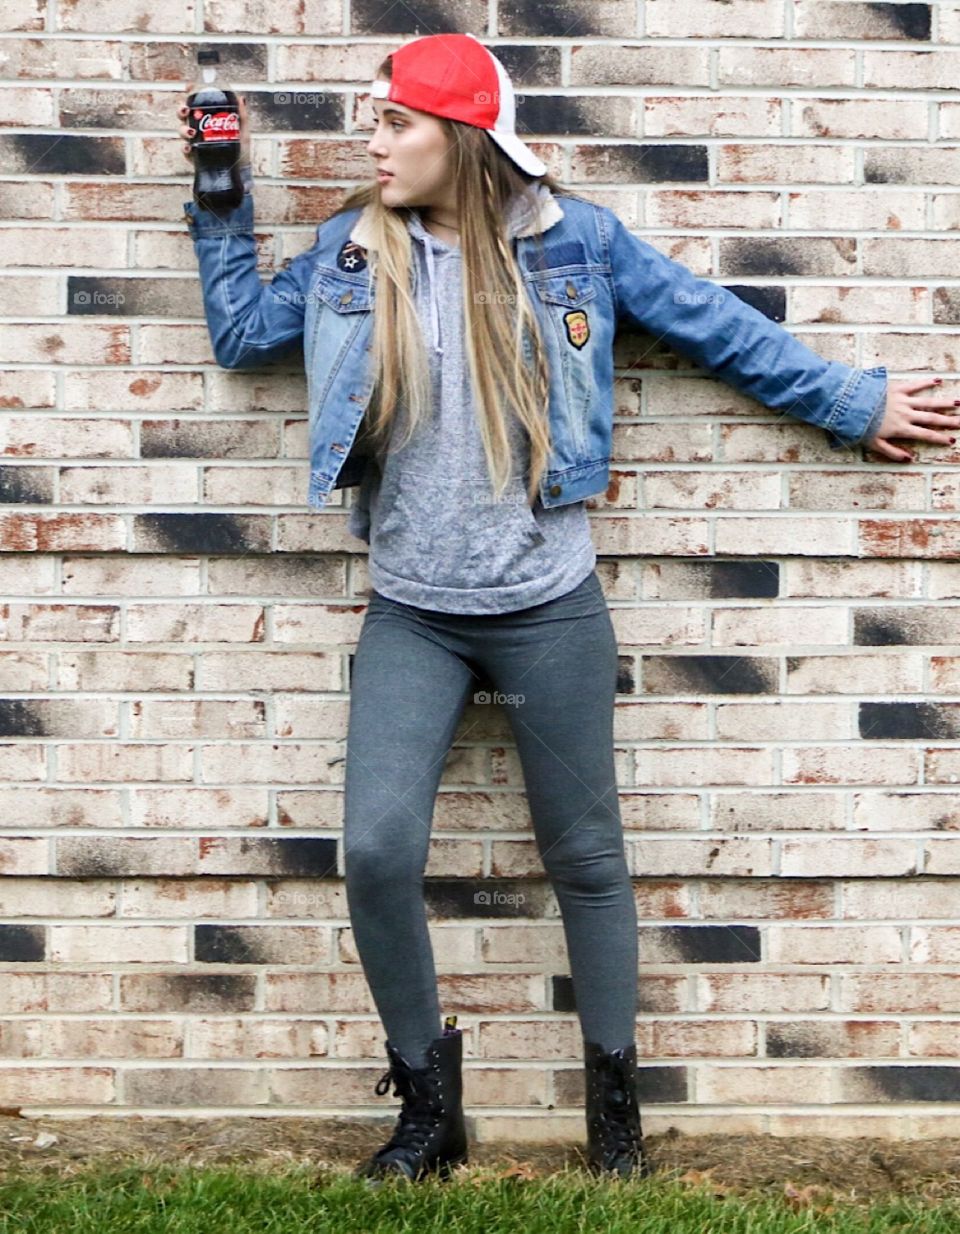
(394, 124)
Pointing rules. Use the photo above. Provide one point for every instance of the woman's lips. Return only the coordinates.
(384, 175)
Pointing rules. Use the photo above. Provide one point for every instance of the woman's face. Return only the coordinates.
(413, 147)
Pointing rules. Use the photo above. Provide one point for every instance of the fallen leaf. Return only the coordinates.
(803, 1197)
(523, 1170)
(704, 1178)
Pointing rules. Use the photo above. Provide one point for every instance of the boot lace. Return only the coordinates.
(416, 1118)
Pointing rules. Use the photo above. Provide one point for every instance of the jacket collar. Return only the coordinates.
(523, 220)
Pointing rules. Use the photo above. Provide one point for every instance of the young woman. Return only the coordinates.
(476, 429)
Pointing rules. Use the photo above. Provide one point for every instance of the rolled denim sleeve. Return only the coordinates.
(739, 344)
(250, 323)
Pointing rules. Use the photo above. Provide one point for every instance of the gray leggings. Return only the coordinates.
(413, 672)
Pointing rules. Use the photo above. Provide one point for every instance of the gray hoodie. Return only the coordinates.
(438, 539)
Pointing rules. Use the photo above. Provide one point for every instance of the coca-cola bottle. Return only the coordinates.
(214, 114)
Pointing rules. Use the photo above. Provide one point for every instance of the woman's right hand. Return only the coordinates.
(187, 133)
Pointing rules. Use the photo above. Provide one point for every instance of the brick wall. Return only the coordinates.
(177, 627)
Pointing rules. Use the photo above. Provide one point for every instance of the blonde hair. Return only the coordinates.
(502, 379)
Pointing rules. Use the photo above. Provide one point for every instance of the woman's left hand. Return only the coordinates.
(914, 418)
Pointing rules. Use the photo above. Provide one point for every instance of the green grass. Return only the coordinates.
(234, 1201)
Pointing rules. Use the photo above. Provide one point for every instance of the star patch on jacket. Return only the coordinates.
(578, 326)
(352, 257)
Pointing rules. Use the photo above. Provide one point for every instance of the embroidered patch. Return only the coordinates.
(578, 326)
(352, 257)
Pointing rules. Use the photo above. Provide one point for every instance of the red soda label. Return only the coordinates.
(218, 125)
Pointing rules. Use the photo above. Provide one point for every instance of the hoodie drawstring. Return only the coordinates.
(434, 310)
(516, 219)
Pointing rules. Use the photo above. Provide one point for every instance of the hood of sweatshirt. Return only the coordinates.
(524, 218)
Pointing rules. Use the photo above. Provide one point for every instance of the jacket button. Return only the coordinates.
(346, 297)
(556, 490)
(571, 290)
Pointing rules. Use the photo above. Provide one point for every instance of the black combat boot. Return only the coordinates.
(614, 1138)
(430, 1135)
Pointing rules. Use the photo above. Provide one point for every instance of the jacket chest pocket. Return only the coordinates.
(338, 310)
(343, 296)
(566, 309)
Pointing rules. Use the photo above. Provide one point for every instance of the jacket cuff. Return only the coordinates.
(209, 223)
(859, 410)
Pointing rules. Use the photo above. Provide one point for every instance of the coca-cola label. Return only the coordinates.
(219, 126)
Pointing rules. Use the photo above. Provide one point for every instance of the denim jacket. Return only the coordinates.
(584, 274)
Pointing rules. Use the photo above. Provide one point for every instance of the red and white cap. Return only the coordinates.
(454, 75)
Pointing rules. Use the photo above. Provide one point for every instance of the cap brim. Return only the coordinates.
(519, 152)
